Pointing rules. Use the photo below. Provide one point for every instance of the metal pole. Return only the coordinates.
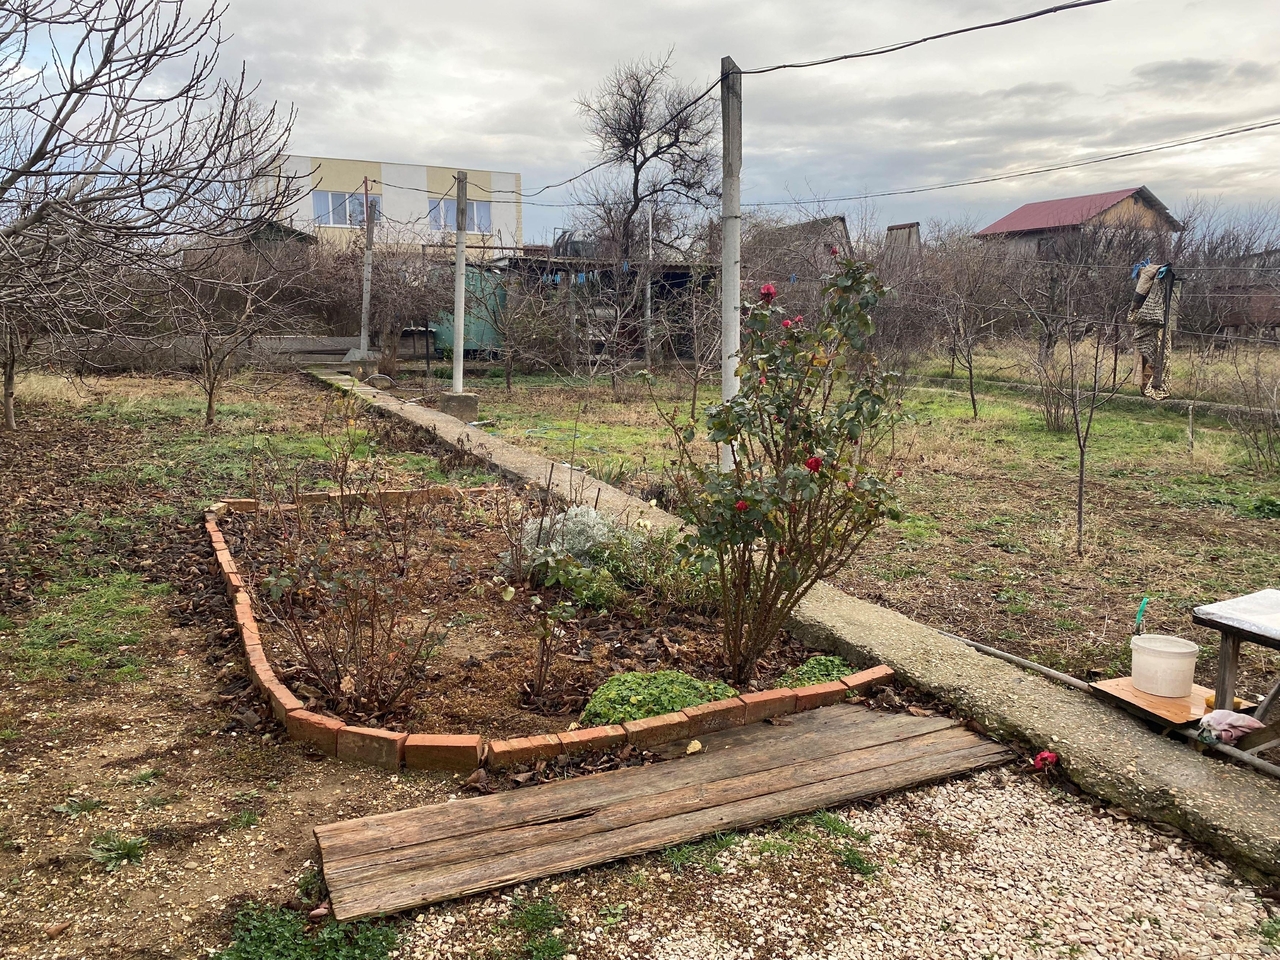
(731, 240)
(367, 288)
(460, 282)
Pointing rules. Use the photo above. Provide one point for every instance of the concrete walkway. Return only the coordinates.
(1105, 751)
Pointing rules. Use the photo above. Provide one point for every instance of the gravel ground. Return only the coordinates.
(999, 865)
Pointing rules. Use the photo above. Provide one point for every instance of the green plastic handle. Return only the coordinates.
(1142, 608)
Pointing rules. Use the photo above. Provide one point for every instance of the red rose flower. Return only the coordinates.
(742, 506)
(1045, 758)
(814, 464)
(835, 252)
(763, 381)
(786, 324)
(768, 292)
(797, 319)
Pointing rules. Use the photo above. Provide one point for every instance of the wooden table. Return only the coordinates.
(1254, 618)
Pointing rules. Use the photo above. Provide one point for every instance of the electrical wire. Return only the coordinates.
(906, 44)
(1034, 171)
(873, 52)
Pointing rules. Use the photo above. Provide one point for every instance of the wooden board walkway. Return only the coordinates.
(744, 776)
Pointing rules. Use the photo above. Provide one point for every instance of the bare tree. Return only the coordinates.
(118, 142)
(656, 140)
(214, 303)
(659, 168)
(962, 287)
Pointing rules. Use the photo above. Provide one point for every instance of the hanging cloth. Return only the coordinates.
(1149, 315)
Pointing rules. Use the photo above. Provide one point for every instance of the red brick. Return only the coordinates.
(820, 695)
(244, 611)
(282, 699)
(319, 731)
(250, 635)
(260, 671)
(442, 752)
(590, 739)
(719, 715)
(769, 703)
(376, 748)
(509, 753)
(312, 499)
(866, 679)
(242, 505)
(233, 580)
(652, 731)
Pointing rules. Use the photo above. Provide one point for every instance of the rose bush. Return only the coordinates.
(802, 494)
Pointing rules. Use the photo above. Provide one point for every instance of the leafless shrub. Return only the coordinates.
(1257, 418)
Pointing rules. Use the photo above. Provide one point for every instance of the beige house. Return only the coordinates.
(1034, 227)
(413, 204)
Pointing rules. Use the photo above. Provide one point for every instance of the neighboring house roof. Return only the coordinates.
(1071, 212)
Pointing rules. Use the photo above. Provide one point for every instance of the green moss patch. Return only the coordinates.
(634, 696)
(815, 670)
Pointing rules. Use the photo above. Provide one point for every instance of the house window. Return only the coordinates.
(335, 209)
(443, 215)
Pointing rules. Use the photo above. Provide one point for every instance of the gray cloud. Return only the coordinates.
(414, 83)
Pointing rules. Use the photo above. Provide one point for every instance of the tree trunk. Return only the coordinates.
(10, 385)
(1080, 505)
(973, 397)
(510, 363)
(210, 405)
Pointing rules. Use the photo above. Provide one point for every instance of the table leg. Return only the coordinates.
(1224, 690)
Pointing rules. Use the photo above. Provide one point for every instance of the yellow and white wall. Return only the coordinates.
(407, 192)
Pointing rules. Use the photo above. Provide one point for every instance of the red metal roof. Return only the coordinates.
(1068, 212)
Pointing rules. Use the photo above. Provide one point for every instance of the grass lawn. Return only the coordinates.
(988, 548)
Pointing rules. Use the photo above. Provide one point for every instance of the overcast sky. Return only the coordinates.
(494, 88)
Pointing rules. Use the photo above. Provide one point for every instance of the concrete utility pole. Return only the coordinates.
(367, 289)
(731, 240)
(648, 298)
(460, 283)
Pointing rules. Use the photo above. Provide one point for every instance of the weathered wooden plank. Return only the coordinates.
(376, 863)
(433, 885)
(816, 734)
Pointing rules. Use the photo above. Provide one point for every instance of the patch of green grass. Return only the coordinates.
(837, 826)
(83, 624)
(854, 859)
(114, 852)
(820, 669)
(545, 947)
(770, 845)
(1270, 931)
(243, 820)
(701, 854)
(272, 933)
(7, 624)
(613, 914)
(144, 778)
(634, 696)
(535, 916)
(311, 886)
(8, 733)
(75, 806)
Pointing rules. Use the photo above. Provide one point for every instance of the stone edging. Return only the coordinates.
(463, 753)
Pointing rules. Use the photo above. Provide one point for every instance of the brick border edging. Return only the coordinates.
(463, 753)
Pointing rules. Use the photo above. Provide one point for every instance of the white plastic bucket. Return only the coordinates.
(1163, 666)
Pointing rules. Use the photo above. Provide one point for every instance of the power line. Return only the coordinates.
(905, 44)
(1034, 171)
(973, 181)
(873, 52)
